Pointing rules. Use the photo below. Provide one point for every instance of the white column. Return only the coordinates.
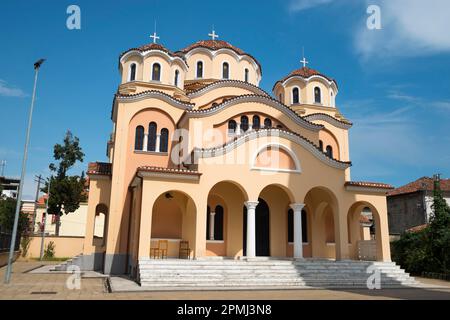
(298, 239)
(145, 142)
(211, 225)
(250, 126)
(158, 142)
(238, 128)
(251, 233)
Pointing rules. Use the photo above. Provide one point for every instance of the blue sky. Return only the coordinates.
(394, 83)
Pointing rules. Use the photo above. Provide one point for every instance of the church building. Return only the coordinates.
(199, 154)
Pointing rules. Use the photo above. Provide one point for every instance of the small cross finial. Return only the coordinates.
(304, 61)
(154, 36)
(213, 34)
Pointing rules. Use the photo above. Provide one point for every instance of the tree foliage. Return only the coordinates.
(7, 214)
(66, 191)
(429, 249)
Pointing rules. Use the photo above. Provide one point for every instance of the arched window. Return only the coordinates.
(218, 223)
(291, 226)
(164, 140)
(295, 96)
(151, 144)
(317, 95)
(225, 70)
(280, 97)
(256, 123)
(244, 123)
(231, 126)
(133, 72)
(208, 211)
(246, 75)
(267, 123)
(199, 69)
(329, 151)
(177, 75)
(139, 138)
(331, 99)
(321, 145)
(156, 72)
(279, 126)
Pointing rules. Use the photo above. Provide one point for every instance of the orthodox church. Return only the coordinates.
(201, 159)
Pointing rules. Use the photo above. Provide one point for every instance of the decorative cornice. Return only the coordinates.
(227, 83)
(373, 187)
(254, 134)
(267, 100)
(99, 169)
(331, 120)
(168, 173)
(153, 94)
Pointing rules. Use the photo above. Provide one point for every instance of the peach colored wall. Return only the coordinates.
(270, 158)
(64, 246)
(167, 220)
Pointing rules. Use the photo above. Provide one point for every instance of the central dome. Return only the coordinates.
(213, 45)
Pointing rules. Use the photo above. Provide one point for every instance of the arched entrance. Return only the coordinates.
(262, 228)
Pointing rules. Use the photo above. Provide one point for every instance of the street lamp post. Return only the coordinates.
(37, 65)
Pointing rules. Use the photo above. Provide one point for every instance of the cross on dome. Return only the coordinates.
(213, 35)
(304, 61)
(154, 36)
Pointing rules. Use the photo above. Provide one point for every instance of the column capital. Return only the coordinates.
(251, 204)
(212, 213)
(297, 207)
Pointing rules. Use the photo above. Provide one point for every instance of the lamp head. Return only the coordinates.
(38, 63)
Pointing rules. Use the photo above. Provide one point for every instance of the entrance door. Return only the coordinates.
(262, 229)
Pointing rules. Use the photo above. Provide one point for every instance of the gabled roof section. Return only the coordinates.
(331, 120)
(227, 83)
(421, 184)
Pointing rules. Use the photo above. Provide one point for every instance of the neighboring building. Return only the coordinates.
(199, 152)
(409, 206)
(9, 187)
(71, 225)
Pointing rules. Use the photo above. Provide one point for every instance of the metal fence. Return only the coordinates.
(5, 242)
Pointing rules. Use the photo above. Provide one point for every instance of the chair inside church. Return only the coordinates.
(160, 251)
(184, 251)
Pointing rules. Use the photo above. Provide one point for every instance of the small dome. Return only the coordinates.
(217, 45)
(156, 47)
(305, 73)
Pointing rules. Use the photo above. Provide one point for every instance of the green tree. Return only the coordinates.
(66, 191)
(7, 214)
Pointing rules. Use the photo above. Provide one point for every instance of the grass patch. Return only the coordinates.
(52, 259)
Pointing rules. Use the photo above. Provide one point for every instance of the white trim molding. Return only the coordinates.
(327, 118)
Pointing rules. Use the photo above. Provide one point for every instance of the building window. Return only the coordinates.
(317, 95)
(225, 70)
(156, 72)
(244, 123)
(231, 126)
(199, 69)
(291, 226)
(246, 75)
(133, 72)
(280, 97)
(164, 140)
(332, 99)
(256, 123)
(321, 145)
(218, 223)
(295, 96)
(267, 123)
(139, 138)
(151, 144)
(177, 75)
(329, 151)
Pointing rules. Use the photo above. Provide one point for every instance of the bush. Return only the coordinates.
(25, 244)
(49, 252)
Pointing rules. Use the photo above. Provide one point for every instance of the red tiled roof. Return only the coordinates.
(154, 46)
(417, 228)
(216, 45)
(365, 184)
(99, 168)
(424, 183)
(305, 73)
(168, 170)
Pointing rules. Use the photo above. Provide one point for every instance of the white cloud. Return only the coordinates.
(299, 5)
(409, 28)
(8, 91)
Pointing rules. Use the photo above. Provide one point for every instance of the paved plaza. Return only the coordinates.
(26, 283)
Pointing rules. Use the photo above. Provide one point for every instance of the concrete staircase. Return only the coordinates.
(75, 261)
(266, 273)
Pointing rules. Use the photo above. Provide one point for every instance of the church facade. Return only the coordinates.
(200, 153)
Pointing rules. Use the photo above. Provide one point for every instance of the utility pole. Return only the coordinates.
(3, 165)
(45, 219)
(39, 180)
(37, 65)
